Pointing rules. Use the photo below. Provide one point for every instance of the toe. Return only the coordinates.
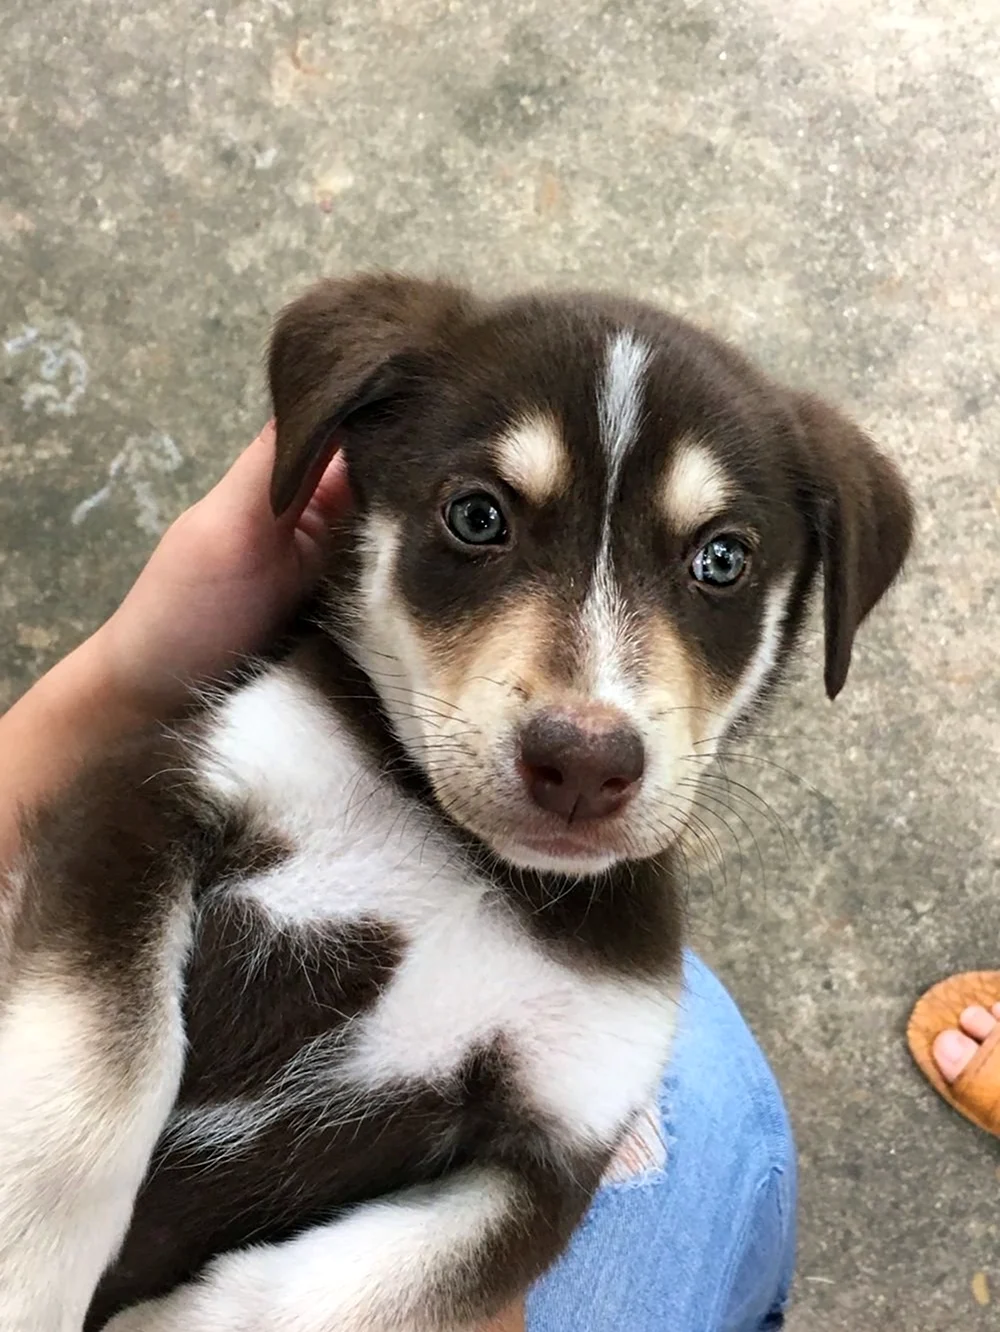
(952, 1050)
(995, 1010)
(976, 1022)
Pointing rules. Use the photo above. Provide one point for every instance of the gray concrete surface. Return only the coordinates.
(820, 182)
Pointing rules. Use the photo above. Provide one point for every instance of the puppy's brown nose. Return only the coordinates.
(581, 765)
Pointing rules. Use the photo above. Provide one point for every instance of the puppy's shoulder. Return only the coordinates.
(275, 738)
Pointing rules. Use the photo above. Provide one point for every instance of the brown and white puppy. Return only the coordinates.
(327, 1012)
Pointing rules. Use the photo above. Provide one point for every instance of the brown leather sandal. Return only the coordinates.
(975, 1093)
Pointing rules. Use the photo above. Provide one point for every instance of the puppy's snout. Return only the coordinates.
(581, 764)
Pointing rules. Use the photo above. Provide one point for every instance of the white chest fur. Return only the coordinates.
(588, 1049)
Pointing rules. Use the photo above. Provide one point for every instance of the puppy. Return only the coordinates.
(327, 1012)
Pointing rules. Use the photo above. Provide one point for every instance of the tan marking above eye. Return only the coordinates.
(532, 457)
(696, 487)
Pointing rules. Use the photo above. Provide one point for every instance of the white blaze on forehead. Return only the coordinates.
(697, 487)
(606, 622)
(532, 456)
(619, 400)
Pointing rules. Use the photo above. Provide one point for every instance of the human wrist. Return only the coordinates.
(77, 709)
(93, 689)
(143, 664)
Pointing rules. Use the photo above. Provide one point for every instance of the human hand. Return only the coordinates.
(220, 583)
(223, 579)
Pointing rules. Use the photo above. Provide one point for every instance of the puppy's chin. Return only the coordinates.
(556, 855)
(529, 841)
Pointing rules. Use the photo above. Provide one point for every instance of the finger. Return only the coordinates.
(330, 500)
(329, 503)
(243, 493)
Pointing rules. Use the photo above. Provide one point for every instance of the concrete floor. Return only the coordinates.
(821, 183)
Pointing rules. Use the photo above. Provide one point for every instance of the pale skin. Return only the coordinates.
(221, 583)
(223, 579)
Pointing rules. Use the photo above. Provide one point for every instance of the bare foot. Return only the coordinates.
(953, 1049)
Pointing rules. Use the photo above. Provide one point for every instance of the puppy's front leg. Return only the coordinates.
(440, 1258)
(90, 1061)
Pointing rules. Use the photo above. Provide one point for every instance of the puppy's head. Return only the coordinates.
(583, 540)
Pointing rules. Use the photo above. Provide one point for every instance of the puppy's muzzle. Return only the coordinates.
(583, 763)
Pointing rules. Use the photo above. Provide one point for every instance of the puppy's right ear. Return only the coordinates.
(862, 515)
(343, 346)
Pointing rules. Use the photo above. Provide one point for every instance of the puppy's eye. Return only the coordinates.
(477, 520)
(721, 562)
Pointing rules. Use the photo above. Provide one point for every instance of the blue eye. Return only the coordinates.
(721, 562)
(476, 520)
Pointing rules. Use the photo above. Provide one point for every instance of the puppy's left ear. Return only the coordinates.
(862, 515)
(348, 348)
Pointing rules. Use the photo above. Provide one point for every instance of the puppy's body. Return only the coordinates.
(394, 918)
(364, 1009)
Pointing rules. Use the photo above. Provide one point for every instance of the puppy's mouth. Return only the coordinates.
(532, 840)
(562, 851)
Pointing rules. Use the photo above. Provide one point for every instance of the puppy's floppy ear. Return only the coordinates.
(343, 346)
(863, 520)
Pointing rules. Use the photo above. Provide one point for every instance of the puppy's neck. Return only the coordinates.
(626, 919)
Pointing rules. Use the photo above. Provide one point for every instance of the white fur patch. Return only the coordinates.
(605, 622)
(76, 1137)
(619, 401)
(696, 488)
(765, 656)
(532, 456)
(385, 645)
(608, 639)
(367, 1272)
(588, 1050)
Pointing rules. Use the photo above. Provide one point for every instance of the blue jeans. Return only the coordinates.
(700, 1237)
